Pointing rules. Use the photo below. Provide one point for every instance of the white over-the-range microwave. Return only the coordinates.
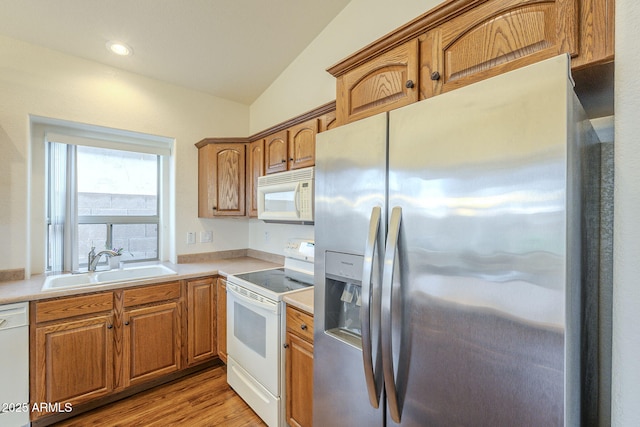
(286, 196)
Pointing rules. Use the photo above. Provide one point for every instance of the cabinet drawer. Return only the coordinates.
(300, 323)
(150, 294)
(73, 306)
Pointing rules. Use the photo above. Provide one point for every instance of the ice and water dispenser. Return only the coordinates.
(343, 298)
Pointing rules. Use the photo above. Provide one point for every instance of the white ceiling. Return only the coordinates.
(233, 49)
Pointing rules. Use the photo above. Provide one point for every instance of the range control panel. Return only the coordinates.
(300, 249)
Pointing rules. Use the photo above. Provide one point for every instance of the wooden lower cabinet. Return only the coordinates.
(221, 323)
(73, 361)
(201, 320)
(151, 342)
(89, 346)
(299, 368)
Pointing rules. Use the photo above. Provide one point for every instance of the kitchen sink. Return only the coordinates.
(70, 281)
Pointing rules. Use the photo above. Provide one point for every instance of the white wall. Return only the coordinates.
(304, 84)
(42, 82)
(626, 268)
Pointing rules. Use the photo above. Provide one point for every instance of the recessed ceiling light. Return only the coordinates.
(119, 48)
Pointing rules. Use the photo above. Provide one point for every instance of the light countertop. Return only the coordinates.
(302, 300)
(31, 289)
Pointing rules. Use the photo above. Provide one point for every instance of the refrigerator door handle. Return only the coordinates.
(386, 323)
(370, 307)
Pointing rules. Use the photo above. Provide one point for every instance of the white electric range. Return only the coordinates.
(256, 329)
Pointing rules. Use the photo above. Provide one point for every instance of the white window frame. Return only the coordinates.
(45, 129)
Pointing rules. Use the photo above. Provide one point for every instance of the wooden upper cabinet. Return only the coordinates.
(386, 82)
(496, 37)
(327, 121)
(302, 144)
(255, 169)
(276, 152)
(221, 181)
(460, 42)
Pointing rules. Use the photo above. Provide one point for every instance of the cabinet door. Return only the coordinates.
(221, 323)
(255, 169)
(384, 83)
(275, 152)
(327, 121)
(73, 361)
(201, 320)
(299, 379)
(151, 342)
(302, 144)
(221, 181)
(496, 37)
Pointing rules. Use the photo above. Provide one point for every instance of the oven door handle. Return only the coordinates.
(265, 305)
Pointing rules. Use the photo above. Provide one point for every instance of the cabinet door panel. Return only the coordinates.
(499, 36)
(230, 180)
(74, 361)
(221, 180)
(201, 320)
(255, 169)
(299, 374)
(151, 342)
(386, 82)
(275, 152)
(302, 144)
(222, 319)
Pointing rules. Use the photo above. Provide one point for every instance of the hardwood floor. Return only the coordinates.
(199, 400)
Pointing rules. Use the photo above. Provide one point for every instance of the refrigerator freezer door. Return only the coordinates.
(350, 182)
(478, 310)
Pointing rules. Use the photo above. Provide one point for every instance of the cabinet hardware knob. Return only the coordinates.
(435, 75)
(214, 208)
(291, 159)
(284, 160)
(285, 345)
(109, 326)
(303, 327)
(126, 323)
(409, 84)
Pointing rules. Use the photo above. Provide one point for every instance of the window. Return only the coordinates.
(102, 198)
(74, 168)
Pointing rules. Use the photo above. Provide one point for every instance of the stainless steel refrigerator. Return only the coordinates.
(454, 279)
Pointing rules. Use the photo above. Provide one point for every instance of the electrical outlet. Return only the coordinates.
(191, 237)
(206, 236)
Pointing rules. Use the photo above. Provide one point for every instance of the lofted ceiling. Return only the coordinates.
(233, 49)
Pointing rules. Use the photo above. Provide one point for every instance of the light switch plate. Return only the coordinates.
(206, 236)
(191, 238)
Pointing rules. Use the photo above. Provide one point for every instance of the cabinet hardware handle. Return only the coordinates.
(109, 326)
(409, 84)
(435, 75)
(126, 323)
(285, 345)
(303, 327)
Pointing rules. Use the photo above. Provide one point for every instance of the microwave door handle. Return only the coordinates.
(371, 307)
(296, 199)
(392, 251)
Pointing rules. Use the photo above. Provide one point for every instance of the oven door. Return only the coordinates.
(253, 335)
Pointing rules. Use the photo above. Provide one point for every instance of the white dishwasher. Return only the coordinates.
(14, 364)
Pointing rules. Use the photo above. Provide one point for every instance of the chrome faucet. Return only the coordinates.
(93, 258)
